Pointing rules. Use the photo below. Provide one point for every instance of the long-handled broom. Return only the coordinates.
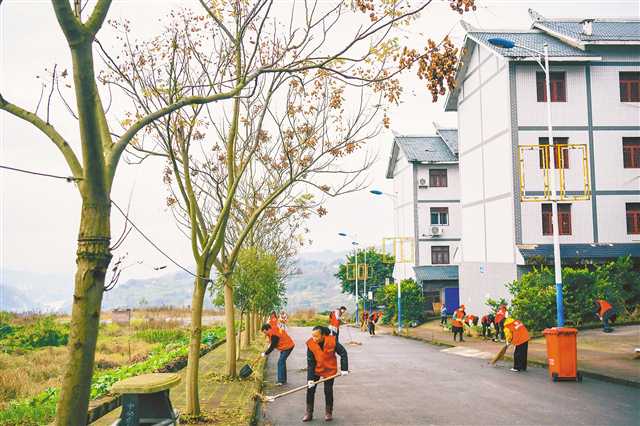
(497, 357)
(271, 398)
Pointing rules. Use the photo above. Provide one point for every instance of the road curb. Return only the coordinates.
(260, 378)
(585, 373)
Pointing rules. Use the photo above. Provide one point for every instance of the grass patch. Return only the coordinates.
(30, 376)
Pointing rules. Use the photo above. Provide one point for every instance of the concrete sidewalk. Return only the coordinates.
(606, 356)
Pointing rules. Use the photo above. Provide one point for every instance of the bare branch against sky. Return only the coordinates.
(49, 214)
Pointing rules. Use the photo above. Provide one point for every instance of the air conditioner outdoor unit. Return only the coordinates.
(423, 182)
(436, 231)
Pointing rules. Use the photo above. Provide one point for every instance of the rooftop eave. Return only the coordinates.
(392, 159)
(436, 162)
(557, 58)
(569, 40)
(613, 42)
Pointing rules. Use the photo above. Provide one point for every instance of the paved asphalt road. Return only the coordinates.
(397, 381)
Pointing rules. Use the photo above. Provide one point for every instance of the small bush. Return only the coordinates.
(412, 302)
(162, 336)
(45, 331)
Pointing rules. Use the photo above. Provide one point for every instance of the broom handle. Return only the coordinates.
(299, 388)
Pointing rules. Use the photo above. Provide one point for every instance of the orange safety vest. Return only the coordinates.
(500, 315)
(519, 332)
(469, 319)
(604, 307)
(326, 361)
(457, 318)
(333, 320)
(285, 342)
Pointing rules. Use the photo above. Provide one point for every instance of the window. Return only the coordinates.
(559, 146)
(558, 87)
(631, 153)
(633, 218)
(438, 177)
(630, 86)
(439, 215)
(564, 214)
(440, 255)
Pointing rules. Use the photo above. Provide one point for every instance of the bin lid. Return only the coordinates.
(559, 330)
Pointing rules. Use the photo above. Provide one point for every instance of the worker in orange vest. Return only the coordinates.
(498, 323)
(516, 334)
(322, 348)
(279, 339)
(470, 320)
(606, 312)
(371, 324)
(457, 322)
(335, 319)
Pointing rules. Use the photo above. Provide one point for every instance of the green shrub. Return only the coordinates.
(412, 302)
(162, 336)
(534, 295)
(45, 331)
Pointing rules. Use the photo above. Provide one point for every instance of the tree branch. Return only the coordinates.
(49, 131)
(122, 143)
(95, 21)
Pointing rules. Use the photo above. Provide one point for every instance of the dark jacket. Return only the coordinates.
(272, 344)
(311, 360)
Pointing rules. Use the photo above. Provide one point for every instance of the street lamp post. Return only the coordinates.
(354, 243)
(399, 302)
(555, 220)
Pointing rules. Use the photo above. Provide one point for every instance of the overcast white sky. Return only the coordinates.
(39, 216)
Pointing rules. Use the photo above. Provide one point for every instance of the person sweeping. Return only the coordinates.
(279, 339)
(335, 319)
(516, 334)
(322, 362)
(373, 319)
(606, 312)
(486, 322)
(457, 324)
(498, 323)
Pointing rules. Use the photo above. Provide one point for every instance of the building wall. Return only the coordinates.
(486, 179)
(428, 197)
(573, 112)
(404, 210)
(480, 281)
(602, 218)
(605, 95)
(497, 110)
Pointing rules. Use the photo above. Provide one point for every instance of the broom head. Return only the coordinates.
(497, 357)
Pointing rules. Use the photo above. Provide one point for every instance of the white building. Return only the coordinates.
(500, 103)
(426, 189)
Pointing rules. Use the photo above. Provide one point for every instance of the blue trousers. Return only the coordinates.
(282, 365)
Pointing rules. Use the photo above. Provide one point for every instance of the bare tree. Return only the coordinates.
(241, 43)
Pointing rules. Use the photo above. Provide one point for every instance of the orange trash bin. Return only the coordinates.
(562, 353)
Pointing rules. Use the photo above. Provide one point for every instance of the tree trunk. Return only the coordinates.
(245, 333)
(229, 323)
(239, 342)
(251, 326)
(92, 260)
(193, 360)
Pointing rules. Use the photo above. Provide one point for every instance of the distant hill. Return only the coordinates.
(313, 286)
(12, 299)
(171, 289)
